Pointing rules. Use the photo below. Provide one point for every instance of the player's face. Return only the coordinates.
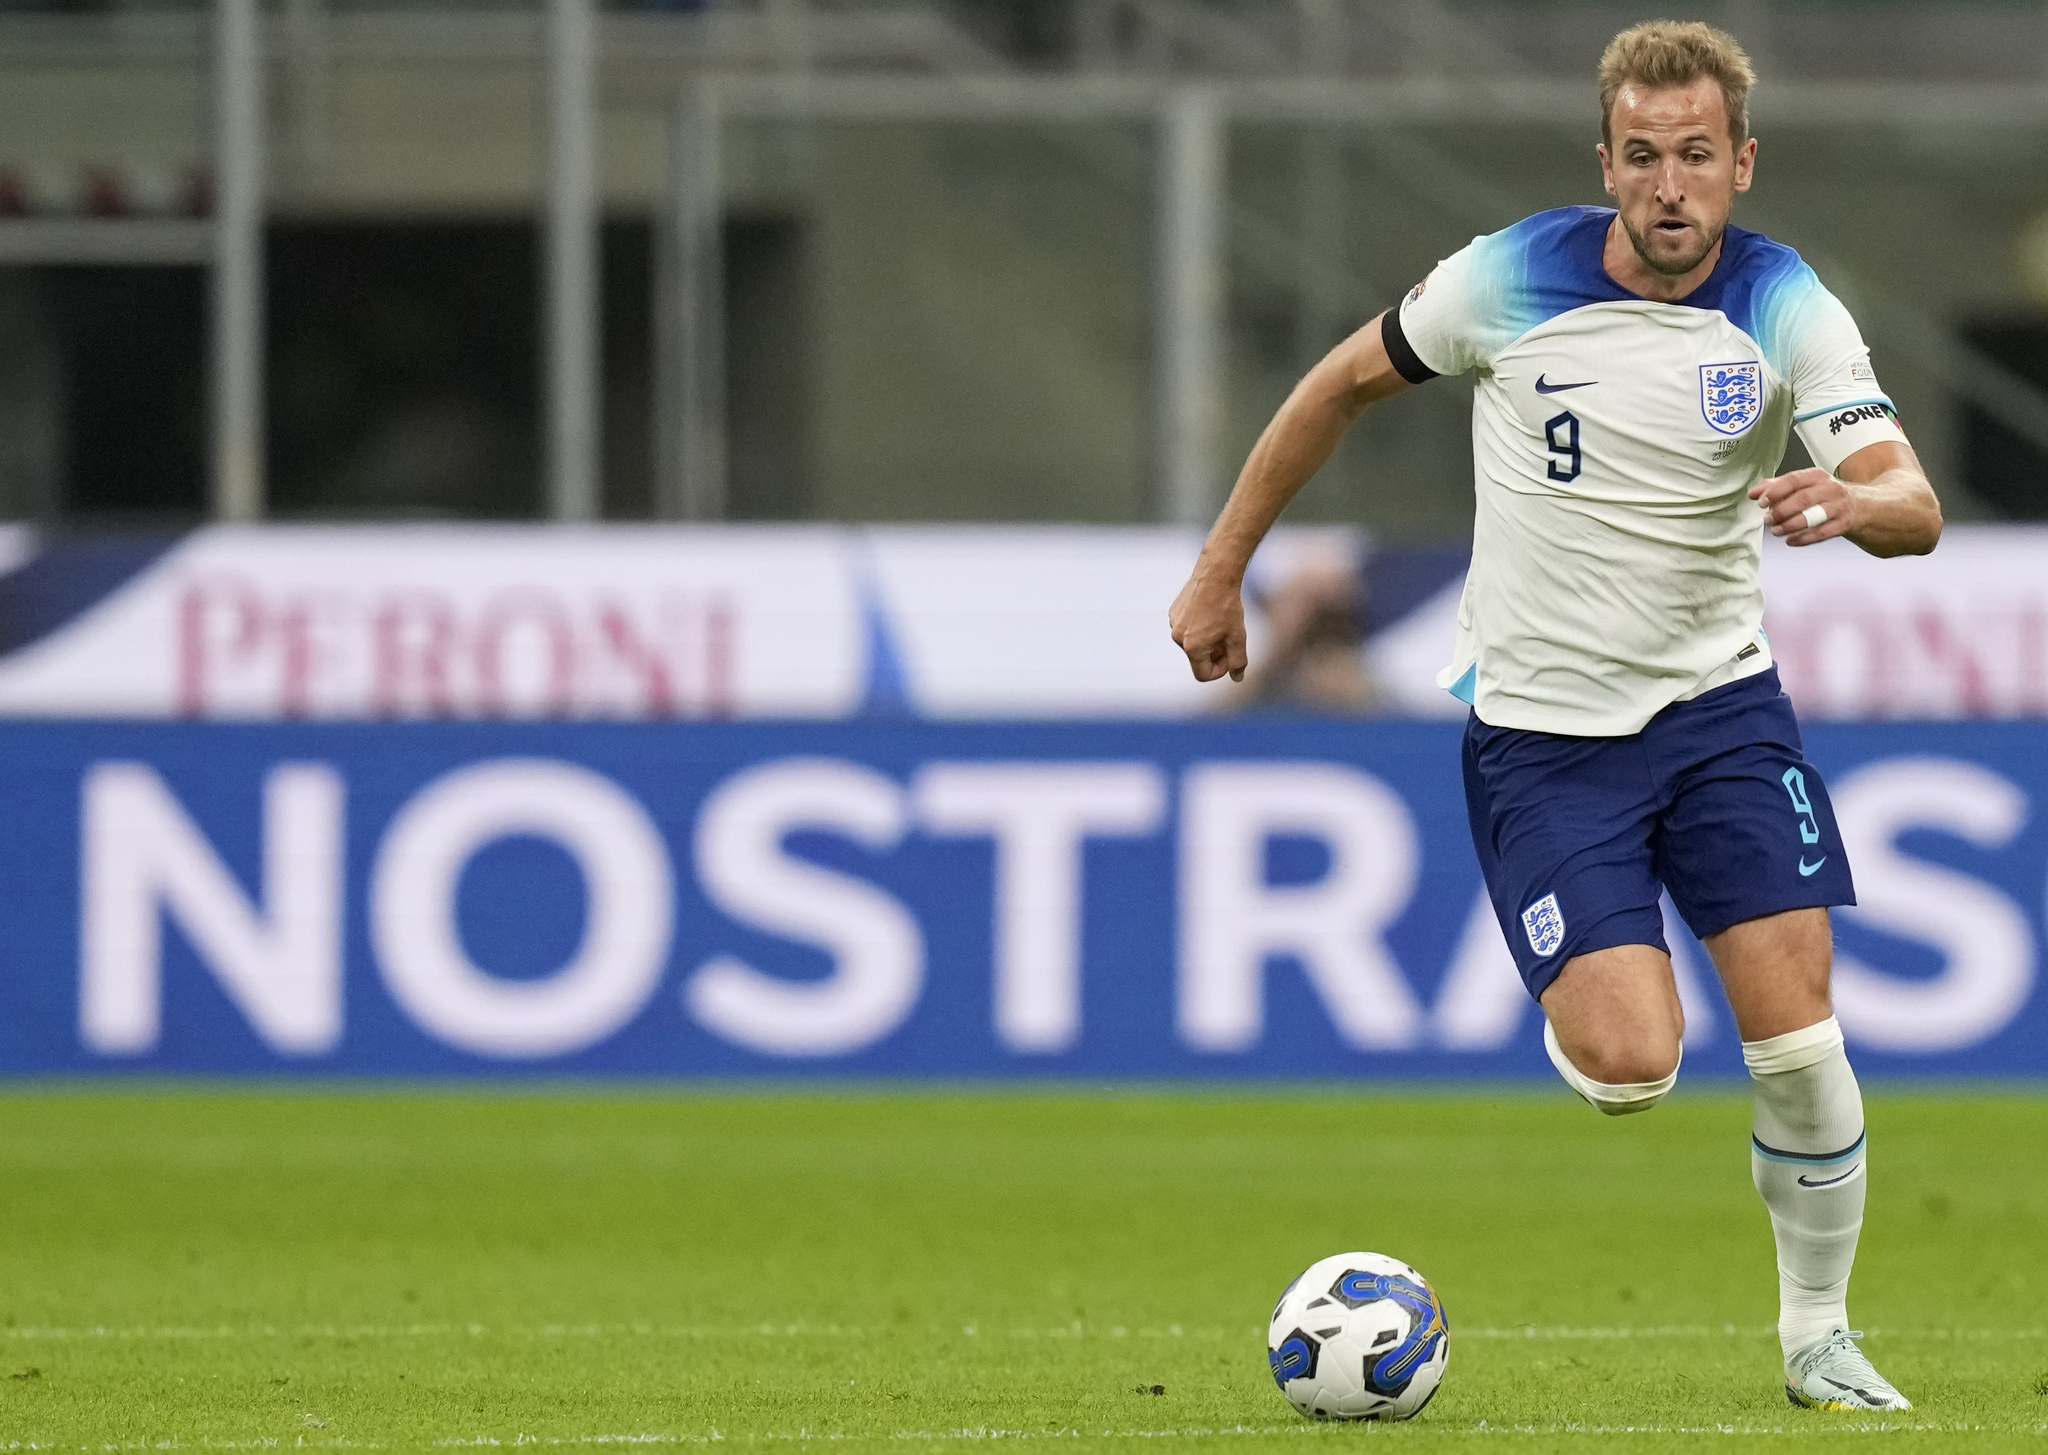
(1673, 171)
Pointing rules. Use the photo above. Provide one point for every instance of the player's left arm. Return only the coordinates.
(1878, 497)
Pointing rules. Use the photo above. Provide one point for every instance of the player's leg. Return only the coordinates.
(1562, 829)
(1750, 852)
(1807, 1139)
(1613, 1026)
(1807, 1147)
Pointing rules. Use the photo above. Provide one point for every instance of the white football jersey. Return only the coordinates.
(1615, 549)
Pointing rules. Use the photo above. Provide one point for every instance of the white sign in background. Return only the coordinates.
(412, 621)
(441, 621)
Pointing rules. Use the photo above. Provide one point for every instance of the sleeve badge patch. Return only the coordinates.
(1731, 395)
(1544, 923)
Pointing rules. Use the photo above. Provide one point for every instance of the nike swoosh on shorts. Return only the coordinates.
(1807, 870)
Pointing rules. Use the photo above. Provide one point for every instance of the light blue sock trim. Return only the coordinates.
(1807, 1159)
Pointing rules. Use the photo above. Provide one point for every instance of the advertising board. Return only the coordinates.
(1250, 898)
(724, 622)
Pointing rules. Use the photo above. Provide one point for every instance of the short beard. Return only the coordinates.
(1681, 267)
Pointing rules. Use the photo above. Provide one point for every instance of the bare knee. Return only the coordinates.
(1614, 1097)
(1633, 1062)
(1616, 1015)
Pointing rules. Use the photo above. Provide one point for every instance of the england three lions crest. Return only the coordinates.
(1731, 395)
(1544, 923)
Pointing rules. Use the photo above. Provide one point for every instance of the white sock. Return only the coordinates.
(1807, 1159)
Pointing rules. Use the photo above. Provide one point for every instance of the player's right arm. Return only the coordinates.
(1208, 616)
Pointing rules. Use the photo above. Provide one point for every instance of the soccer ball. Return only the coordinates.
(1360, 1336)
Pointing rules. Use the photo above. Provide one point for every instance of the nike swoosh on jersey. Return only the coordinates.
(1831, 1181)
(1806, 870)
(1545, 388)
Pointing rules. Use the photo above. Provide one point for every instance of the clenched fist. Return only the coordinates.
(1208, 624)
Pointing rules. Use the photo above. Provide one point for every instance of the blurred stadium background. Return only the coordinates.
(989, 260)
(552, 540)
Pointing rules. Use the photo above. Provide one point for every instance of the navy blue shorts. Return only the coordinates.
(1712, 800)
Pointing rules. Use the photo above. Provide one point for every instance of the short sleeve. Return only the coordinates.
(1837, 406)
(1442, 318)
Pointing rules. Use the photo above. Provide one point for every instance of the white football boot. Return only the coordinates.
(1834, 1375)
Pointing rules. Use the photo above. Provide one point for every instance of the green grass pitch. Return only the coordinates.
(899, 1270)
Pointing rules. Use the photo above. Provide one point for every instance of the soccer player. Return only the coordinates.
(1637, 373)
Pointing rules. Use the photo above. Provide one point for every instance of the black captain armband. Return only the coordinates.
(1407, 363)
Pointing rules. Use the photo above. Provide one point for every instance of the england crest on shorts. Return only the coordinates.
(1731, 395)
(1545, 923)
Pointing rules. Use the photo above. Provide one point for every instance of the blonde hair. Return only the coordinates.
(1660, 53)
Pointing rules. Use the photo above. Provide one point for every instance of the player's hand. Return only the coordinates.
(1786, 499)
(1208, 624)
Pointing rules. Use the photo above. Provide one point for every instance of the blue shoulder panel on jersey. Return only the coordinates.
(1561, 252)
(1548, 264)
(1551, 263)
